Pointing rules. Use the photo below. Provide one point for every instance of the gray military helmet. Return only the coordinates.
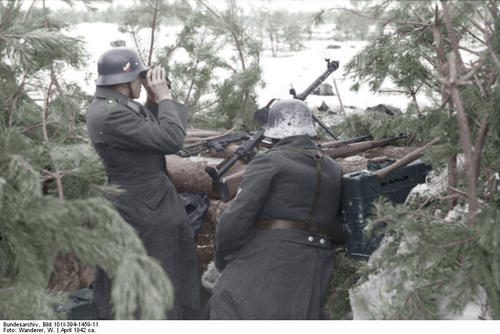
(289, 118)
(119, 65)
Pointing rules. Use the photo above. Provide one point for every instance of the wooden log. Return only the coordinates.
(188, 174)
(204, 133)
(382, 174)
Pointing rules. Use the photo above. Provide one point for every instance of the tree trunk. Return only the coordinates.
(70, 274)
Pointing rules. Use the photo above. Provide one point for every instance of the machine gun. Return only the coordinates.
(247, 148)
(331, 66)
(227, 187)
(217, 143)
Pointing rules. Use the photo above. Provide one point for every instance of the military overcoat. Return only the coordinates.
(277, 274)
(132, 141)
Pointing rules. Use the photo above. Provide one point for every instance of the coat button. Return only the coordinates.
(322, 241)
(310, 238)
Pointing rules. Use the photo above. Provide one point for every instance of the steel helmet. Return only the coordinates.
(119, 65)
(289, 118)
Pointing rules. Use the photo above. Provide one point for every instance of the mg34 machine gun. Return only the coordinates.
(247, 148)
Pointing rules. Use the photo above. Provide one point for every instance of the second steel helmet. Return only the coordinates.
(289, 118)
(119, 65)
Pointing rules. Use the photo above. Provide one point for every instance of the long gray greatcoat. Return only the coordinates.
(276, 274)
(132, 142)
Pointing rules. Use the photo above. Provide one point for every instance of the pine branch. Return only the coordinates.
(465, 136)
(235, 38)
(452, 180)
(45, 112)
(419, 214)
(207, 106)
(153, 28)
(197, 61)
(28, 12)
(493, 54)
(418, 16)
(136, 42)
(15, 96)
(53, 77)
(475, 37)
(455, 243)
(6, 17)
(451, 32)
(472, 71)
(480, 86)
(478, 146)
(492, 7)
(385, 20)
(20, 159)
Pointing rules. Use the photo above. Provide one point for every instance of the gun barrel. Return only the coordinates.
(323, 125)
(243, 150)
(355, 148)
(332, 66)
(338, 143)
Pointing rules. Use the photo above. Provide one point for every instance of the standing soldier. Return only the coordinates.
(132, 141)
(272, 244)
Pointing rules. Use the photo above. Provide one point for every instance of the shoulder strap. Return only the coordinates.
(318, 157)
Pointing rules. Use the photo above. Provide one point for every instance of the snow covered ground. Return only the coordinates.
(299, 69)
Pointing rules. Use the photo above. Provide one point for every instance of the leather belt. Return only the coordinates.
(290, 225)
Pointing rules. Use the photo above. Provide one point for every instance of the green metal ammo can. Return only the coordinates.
(361, 188)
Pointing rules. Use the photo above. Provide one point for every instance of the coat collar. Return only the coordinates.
(302, 141)
(105, 92)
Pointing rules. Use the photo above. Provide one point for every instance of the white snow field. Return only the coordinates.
(299, 69)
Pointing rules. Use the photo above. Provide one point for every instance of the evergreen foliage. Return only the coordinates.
(213, 63)
(280, 28)
(345, 274)
(51, 181)
(350, 26)
(442, 257)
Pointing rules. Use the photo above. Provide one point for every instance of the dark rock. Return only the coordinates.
(323, 107)
(389, 110)
(118, 43)
(324, 89)
(333, 46)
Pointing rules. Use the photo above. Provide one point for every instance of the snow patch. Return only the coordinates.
(435, 183)
(210, 277)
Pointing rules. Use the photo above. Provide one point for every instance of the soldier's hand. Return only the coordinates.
(156, 85)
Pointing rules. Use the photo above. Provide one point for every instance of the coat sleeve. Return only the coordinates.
(129, 130)
(237, 224)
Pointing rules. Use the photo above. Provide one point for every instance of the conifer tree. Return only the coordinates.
(280, 28)
(218, 90)
(51, 181)
(444, 254)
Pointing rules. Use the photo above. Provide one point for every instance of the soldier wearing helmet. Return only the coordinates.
(132, 141)
(273, 243)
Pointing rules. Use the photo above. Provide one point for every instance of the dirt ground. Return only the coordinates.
(205, 244)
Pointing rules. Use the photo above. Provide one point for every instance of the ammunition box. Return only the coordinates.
(80, 306)
(361, 188)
